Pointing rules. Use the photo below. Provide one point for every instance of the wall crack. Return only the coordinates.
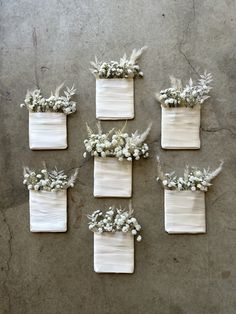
(184, 38)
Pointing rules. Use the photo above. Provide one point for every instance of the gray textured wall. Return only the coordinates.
(46, 42)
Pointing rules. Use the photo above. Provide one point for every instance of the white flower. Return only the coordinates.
(134, 232)
(110, 212)
(125, 229)
(138, 227)
(44, 171)
(198, 173)
(84, 155)
(26, 175)
(39, 176)
(30, 187)
(139, 238)
(164, 182)
(193, 188)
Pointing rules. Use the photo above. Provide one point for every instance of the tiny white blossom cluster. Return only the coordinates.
(125, 68)
(113, 220)
(193, 179)
(119, 144)
(45, 180)
(35, 102)
(189, 96)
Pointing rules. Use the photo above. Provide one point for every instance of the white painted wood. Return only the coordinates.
(185, 211)
(112, 178)
(114, 99)
(47, 130)
(114, 252)
(48, 211)
(180, 128)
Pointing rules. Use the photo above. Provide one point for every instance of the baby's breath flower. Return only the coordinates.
(35, 101)
(119, 145)
(114, 220)
(194, 179)
(125, 68)
(48, 180)
(139, 238)
(189, 96)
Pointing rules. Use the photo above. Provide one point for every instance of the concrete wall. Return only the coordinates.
(47, 42)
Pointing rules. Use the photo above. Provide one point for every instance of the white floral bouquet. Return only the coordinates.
(115, 219)
(125, 68)
(35, 102)
(117, 144)
(46, 180)
(189, 96)
(193, 179)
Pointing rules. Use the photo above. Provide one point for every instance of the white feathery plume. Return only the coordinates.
(73, 177)
(215, 173)
(160, 173)
(157, 95)
(26, 170)
(123, 60)
(99, 127)
(89, 130)
(57, 91)
(186, 173)
(136, 54)
(175, 83)
(140, 138)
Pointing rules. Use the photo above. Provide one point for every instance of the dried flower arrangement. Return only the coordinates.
(125, 68)
(119, 144)
(193, 179)
(189, 96)
(113, 220)
(36, 102)
(51, 181)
